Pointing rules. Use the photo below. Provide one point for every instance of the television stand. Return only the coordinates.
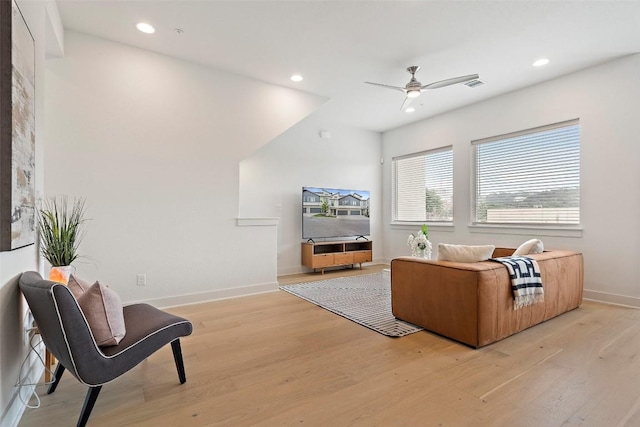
(334, 254)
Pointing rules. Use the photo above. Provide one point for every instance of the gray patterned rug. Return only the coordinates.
(364, 299)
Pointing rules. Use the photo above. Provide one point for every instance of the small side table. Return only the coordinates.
(49, 359)
(49, 364)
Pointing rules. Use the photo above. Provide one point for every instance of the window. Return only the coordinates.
(423, 186)
(528, 178)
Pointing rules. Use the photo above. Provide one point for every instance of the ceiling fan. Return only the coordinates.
(414, 88)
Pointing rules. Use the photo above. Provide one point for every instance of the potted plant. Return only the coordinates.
(60, 228)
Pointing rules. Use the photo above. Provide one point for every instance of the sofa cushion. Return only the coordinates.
(533, 246)
(102, 308)
(464, 253)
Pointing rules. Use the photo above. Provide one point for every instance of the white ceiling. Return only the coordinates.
(337, 45)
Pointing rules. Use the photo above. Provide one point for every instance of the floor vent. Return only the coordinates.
(474, 83)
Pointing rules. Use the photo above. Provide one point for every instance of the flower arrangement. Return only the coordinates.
(420, 244)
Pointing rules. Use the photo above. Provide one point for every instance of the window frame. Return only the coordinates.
(395, 195)
(551, 229)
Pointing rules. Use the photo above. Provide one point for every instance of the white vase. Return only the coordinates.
(426, 253)
(61, 274)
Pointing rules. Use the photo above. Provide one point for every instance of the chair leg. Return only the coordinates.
(177, 355)
(57, 374)
(89, 401)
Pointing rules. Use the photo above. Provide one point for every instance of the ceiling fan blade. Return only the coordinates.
(406, 103)
(401, 89)
(449, 82)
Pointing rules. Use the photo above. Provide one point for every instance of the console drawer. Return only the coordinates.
(323, 260)
(344, 258)
(362, 256)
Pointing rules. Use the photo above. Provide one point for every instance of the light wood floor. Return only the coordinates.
(276, 360)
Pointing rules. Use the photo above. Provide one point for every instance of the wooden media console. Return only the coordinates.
(333, 254)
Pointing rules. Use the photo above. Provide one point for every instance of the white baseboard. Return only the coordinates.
(627, 301)
(292, 270)
(301, 269)
(14, 410)
(217, 294)
(221, 294)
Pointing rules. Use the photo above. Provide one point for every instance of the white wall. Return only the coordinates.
(271, 180)
(13, 308)
(606, 99)
(154, 145)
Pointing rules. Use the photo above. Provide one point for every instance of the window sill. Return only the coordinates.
(527, 230)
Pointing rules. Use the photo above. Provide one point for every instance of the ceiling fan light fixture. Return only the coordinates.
(414, 88)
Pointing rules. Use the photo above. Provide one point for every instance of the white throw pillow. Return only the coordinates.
(464, 253)
(533, 246)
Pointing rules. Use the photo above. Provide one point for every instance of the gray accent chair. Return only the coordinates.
(67, 336)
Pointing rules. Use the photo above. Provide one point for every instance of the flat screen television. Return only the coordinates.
(334, 212)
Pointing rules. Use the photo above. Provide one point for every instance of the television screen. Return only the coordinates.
(333, 212)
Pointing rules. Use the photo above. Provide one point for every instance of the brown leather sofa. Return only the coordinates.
(473, 302)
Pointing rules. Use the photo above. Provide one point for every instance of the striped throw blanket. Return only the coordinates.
(526, 282)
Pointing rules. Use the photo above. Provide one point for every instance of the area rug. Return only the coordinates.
(363, 299)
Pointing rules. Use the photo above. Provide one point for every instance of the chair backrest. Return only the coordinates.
(60, 321)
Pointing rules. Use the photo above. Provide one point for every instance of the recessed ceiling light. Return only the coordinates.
(410, 110)
(145, 28)
(297, 78)
(540, 62)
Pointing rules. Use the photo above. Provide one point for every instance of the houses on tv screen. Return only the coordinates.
(334, 202)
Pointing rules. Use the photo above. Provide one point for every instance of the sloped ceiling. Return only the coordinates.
(337, 45)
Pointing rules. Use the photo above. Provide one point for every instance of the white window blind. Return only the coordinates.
(423, 186)
(529, 177)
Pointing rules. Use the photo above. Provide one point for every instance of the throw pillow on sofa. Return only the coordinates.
(102, 308)
(464, 253)
(533, 246)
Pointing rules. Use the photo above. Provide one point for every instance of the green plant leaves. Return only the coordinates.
(60, 229)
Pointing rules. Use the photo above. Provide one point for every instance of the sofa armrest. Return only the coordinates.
(440, 296)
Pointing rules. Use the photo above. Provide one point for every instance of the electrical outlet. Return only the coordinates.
(141, 280)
